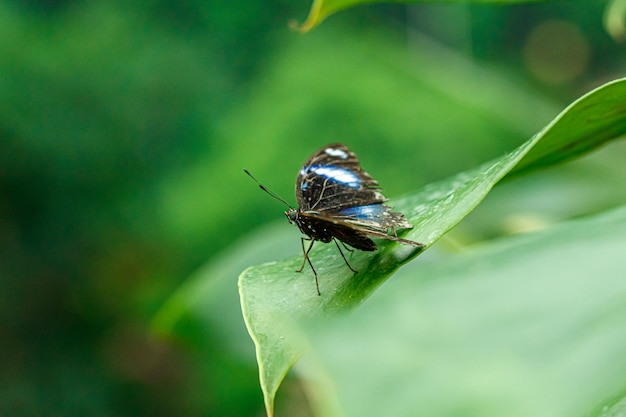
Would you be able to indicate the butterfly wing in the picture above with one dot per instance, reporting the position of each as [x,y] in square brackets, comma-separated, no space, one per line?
[376,217]
[332,179]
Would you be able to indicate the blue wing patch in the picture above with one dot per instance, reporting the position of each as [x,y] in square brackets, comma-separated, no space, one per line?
[368,212]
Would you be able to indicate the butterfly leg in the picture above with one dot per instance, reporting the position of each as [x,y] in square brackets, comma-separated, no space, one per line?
[305,252]
[348,248]
[307,259]
[344,258]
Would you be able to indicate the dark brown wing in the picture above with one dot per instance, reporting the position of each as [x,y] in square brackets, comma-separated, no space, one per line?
[332,179]
[355,224]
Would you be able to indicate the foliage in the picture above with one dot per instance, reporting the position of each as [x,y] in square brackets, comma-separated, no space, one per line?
[123,131]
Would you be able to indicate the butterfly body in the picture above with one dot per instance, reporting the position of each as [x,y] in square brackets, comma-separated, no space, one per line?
[318,227]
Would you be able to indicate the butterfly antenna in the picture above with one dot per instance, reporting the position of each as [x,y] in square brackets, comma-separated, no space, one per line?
[267,190]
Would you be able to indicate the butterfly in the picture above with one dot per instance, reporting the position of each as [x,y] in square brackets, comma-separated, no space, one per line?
[339,201]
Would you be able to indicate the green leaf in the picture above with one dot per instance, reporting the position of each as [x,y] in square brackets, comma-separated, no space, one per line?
[583,126]
[616,409]
[525,326]
[276,301]
[321,9]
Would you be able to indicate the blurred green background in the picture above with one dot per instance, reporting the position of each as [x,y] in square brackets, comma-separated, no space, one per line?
[124,128]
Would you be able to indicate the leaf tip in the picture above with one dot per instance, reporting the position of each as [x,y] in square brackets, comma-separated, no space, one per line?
[314,18]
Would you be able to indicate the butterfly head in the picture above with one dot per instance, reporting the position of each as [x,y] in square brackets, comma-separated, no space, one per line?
[292,215]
